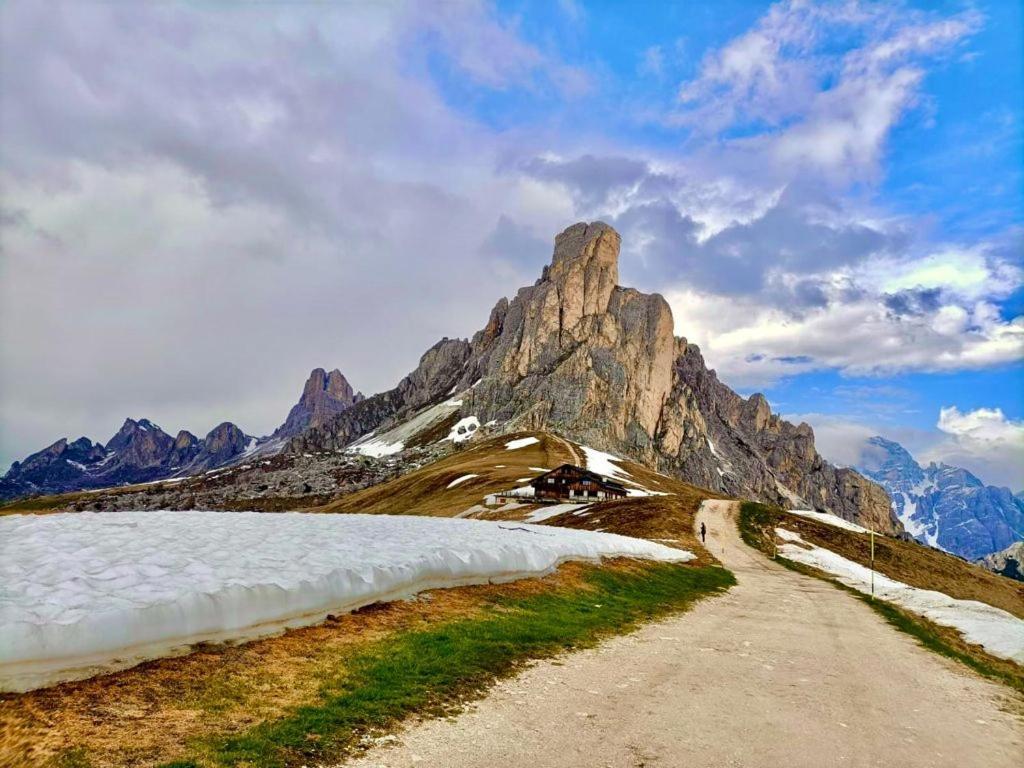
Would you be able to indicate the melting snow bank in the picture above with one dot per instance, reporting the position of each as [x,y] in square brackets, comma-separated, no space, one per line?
[997,631]
[829,519]
[522,442]
[604,464]
[90,592]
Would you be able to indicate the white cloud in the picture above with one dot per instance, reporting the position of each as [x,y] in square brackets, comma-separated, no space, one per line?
[803,105]
[186,237]
[983,441]
[754,344]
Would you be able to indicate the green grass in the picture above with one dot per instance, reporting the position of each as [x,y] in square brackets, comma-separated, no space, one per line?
[757,524]
[433,671]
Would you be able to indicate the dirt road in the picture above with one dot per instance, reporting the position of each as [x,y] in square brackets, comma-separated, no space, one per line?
[784,670]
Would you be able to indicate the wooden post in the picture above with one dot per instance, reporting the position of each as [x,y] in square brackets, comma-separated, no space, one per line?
[872,563]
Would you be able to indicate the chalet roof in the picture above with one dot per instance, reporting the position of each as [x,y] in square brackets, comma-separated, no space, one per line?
[584,473]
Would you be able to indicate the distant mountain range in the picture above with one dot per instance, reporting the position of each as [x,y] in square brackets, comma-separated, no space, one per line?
[142,452]
[575,354]
[944,506]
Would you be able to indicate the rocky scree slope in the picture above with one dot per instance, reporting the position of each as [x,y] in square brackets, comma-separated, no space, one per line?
[944,506]
[579,355]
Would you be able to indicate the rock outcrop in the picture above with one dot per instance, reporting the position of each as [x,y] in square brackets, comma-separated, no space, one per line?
[1008,562]
[436,376]
[944,506]
[577,354]
[324,397]
[224,443]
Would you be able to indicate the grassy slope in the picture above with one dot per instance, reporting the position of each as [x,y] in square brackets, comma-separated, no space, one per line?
[915,564]
[757,524]
[425,491]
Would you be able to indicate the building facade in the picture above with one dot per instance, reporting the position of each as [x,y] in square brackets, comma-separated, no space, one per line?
[572,482]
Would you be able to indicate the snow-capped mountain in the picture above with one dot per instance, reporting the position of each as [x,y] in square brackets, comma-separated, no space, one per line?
[944,506]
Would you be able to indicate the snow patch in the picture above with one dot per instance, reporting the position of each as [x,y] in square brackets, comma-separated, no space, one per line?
[829,519]
[378,448]
[999,632]
[603,464]
[464,429]
[545,513]
[461,480]
[522,442]
[88,592]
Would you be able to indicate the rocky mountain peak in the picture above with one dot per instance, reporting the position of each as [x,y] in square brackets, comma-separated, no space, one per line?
[324,396]
[891,463]
[222,444]
[579,355]
[585,269]
[140,443]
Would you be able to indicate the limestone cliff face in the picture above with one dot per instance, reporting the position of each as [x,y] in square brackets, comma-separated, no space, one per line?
[324,396]
[577,354]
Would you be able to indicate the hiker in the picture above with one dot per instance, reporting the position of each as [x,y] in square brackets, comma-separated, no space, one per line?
[703,532]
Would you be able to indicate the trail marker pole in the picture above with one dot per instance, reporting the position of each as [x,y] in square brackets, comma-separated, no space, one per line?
[872,563]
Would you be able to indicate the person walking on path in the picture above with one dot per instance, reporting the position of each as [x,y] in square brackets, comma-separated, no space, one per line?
[703,532]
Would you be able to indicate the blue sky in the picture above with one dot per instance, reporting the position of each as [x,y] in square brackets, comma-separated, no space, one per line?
[828,194]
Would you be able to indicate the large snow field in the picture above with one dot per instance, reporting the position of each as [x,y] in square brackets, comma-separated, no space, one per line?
[999,632]
[87,592]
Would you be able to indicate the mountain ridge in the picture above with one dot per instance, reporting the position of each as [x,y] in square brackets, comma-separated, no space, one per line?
[945,506]
[139,452]
[577,354]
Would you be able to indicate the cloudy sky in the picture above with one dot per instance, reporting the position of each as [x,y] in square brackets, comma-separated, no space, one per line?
[203,201]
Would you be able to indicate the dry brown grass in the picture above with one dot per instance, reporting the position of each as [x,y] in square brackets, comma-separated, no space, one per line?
[425,491]
[145,715]
[916,565]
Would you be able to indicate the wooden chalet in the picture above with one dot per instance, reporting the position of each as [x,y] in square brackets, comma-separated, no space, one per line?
[571,482]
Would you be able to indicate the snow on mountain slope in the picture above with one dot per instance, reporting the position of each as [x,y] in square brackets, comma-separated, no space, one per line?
[943,506]
[999,632]
[90,592]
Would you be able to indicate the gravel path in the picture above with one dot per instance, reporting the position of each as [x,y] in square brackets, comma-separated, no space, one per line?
[784,670]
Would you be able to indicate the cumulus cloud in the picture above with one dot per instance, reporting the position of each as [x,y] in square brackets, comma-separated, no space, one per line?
[983,441]
[803,104]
